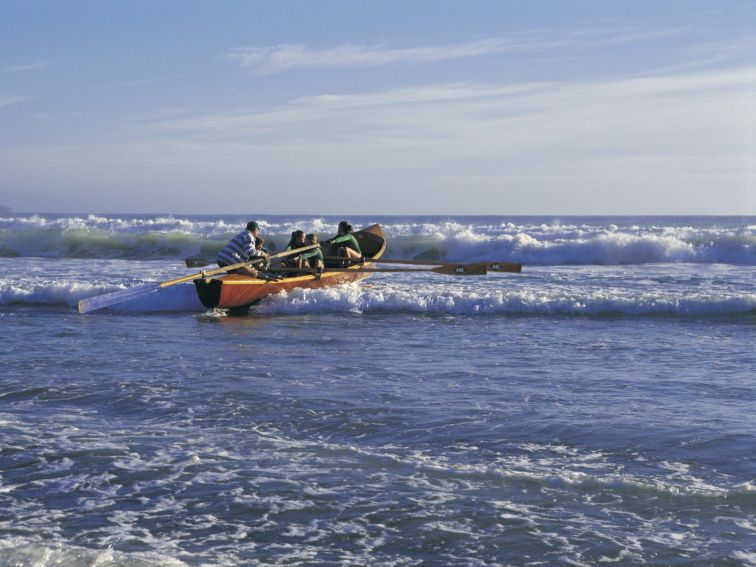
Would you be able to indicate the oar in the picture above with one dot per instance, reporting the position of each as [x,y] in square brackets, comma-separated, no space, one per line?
[196,261]
[100,301]
[494,266]
[478,269]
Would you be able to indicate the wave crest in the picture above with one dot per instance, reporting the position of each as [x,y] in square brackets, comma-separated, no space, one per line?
[554,243]
[384,299]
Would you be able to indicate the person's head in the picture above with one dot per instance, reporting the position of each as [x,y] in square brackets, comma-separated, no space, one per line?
[297,237]
[253,227]
[343,227]
[311,239]
[259,242]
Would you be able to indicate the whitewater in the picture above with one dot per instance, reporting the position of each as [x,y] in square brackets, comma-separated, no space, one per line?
[595,409]
[530,240]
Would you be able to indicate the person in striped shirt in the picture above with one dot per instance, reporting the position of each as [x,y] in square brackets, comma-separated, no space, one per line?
[242,249]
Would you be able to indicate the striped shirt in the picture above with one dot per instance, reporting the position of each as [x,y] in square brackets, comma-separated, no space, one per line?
[240,249]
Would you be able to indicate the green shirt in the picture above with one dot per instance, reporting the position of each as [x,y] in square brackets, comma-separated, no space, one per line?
[313,253]
[349,241]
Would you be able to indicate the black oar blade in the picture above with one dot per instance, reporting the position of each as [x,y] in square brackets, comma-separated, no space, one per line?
[196,262]
[106,300]
[504,267]
[462,269]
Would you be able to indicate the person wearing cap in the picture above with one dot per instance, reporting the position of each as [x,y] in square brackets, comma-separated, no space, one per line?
[242,249]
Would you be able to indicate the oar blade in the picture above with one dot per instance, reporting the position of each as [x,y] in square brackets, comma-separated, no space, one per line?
[512,267]
[491,265]
[96,302]
[196,262]
[478,269]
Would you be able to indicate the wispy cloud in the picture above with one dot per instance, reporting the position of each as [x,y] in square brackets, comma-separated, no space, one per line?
[644,145]
[455,107]
[162,114]
[28,67]
[280,58]
[290,56]
[724,52]
[145,82]
[10,100]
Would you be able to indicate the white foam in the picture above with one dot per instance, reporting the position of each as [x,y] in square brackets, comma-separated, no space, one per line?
[494,295]
[15,551]
[536,301]
[534,243]
[55,292]
[748,558]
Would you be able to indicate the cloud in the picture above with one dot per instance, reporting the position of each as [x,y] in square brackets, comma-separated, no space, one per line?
[10,100]
[26,68]
[457,108]
[145,82]
[284,57]
[280,58]
[653,145]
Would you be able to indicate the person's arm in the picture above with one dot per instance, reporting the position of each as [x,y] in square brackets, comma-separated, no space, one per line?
[350,241]
[253,254]
[354,244]
[312,254]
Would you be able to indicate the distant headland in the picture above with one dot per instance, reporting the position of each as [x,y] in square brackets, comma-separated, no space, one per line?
[4,209]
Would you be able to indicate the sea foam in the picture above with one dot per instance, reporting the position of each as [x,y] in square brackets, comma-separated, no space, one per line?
[599,242]
[492,296]
[538,301]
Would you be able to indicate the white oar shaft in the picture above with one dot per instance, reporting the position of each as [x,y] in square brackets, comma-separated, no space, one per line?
[101,301]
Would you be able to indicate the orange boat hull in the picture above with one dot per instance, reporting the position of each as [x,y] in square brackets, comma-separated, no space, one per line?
[235,290]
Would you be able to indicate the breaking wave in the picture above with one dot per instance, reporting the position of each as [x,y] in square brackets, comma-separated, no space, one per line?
[534,241]
[537,301]
[431,300]
[180,298]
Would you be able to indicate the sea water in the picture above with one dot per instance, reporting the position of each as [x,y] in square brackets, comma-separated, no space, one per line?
[597,408]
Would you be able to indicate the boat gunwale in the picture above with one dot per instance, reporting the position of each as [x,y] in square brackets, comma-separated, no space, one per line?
[238,279]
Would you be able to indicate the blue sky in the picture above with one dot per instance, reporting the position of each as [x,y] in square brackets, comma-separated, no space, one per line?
[407,107]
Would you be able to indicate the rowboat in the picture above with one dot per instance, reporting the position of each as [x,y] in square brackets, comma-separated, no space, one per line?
[236,290]
[230,291]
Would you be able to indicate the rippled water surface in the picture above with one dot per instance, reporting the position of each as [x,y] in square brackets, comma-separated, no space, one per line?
[568,415]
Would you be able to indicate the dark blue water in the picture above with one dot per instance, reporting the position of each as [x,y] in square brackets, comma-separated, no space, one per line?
[583,412]
[377,438]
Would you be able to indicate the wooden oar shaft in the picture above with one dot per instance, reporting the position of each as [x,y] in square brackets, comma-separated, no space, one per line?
[236,266]
[100,301]
[351,270]
[447,269]
[493,265]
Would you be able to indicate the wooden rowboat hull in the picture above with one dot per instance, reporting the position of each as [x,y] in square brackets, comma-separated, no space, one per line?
[235,290]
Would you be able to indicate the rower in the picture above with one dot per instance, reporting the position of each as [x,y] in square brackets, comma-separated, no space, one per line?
[312,258]
[241,248]
[345,243]
[260,247]
[297,241]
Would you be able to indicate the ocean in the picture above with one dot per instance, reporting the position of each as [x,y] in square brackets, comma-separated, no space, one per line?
[595,409]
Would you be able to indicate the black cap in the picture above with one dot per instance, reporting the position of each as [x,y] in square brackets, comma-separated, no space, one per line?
[252,225]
